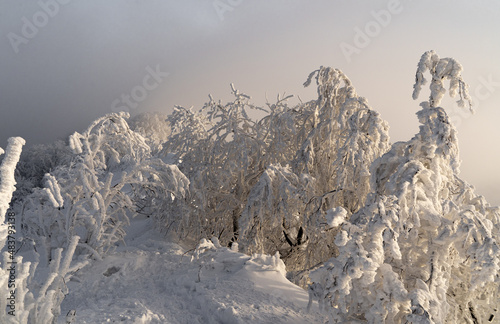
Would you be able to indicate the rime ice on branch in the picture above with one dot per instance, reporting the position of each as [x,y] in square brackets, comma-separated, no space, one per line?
[441,70]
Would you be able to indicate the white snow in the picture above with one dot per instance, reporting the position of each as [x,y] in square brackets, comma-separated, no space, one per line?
[153,280]
[335,216]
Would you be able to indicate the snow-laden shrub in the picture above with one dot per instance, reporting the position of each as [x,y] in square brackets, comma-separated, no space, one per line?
[220,151]
[37,302]
[241,187]
[343,137]
[272,219]
[24,300]
[93,197]
[93,208]
[424,248]
[335,139]
[441,69]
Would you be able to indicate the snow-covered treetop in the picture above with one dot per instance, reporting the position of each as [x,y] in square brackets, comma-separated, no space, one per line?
[7,168]
[329,81]
[440,70]
[188,130]
[108,140]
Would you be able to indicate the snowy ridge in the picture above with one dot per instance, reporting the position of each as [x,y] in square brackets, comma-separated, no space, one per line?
[152,280]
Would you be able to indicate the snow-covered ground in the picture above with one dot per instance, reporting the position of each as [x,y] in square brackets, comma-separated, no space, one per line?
[153,280]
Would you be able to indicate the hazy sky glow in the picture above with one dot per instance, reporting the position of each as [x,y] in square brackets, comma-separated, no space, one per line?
[83,57]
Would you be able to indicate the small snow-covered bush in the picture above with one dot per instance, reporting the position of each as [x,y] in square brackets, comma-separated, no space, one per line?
[37,302]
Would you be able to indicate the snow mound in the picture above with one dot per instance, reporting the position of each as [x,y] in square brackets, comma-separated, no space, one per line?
[156,281]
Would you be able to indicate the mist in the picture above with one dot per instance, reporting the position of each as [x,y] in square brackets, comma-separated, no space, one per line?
[65,63]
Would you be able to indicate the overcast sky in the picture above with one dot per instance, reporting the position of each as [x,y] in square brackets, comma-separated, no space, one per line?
[64,63]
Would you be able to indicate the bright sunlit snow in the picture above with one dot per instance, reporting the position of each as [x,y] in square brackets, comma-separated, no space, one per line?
[153,280]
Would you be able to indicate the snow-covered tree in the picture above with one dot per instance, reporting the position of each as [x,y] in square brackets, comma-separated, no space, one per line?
[111,175]
[424,248]
[271,220]
[343,137]
[332,141]
[85,198]
[219,150]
